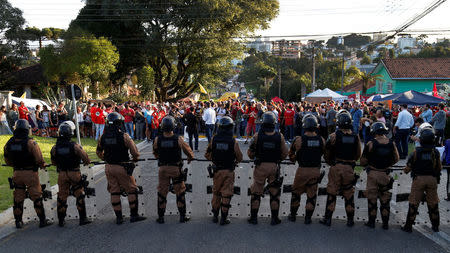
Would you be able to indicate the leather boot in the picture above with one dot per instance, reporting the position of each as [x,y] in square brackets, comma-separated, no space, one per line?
[119,218]
[44,222]
[385,222]
[223,218]
[18,217]
[215,216]
[61,217]
[350,220]
[183,217]
[371,222]
[327,218]
[412,212]
[293,215]
[82,213]
[161,212]
[253,216]
[308,215]
[134,213]
[275,219]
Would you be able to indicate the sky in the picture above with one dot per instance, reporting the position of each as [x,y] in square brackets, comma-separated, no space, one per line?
[296,17]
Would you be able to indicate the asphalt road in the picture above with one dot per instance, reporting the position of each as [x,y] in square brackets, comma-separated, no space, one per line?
[200,235]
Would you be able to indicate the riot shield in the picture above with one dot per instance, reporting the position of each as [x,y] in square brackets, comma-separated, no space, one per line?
[88,183]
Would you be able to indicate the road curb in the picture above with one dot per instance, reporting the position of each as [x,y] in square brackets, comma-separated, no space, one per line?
[7,216]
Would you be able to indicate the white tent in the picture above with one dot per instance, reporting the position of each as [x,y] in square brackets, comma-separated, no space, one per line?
[317,93]
[325,94]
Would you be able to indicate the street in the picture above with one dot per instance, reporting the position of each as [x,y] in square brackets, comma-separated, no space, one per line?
[200,235]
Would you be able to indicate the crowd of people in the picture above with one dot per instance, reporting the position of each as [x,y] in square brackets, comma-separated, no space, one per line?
[142,120]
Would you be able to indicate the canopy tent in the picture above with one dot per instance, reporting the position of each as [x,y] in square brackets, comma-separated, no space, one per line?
[325,94]
[413,98]
[277,100]
[375,98]
[361,97]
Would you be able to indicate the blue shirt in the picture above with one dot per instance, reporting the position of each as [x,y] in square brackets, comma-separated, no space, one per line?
[427,115]
[148,116]
[356,116]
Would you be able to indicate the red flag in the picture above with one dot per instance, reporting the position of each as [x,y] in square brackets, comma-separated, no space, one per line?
[435,92]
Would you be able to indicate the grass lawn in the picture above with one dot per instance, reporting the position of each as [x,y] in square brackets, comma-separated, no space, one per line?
[46,144]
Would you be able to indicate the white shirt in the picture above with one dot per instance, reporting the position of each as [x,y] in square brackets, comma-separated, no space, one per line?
[79,117]
[221,113]
[405,120]
[209,116]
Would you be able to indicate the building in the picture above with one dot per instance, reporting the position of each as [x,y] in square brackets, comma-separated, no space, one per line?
[406,41]
[261,45]
[287,48]
[404,74]
[28,79]
[379,36]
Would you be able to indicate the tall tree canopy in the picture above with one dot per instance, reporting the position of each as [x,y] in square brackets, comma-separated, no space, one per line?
[185,42]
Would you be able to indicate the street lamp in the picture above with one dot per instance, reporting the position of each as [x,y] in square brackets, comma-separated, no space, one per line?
[340,41]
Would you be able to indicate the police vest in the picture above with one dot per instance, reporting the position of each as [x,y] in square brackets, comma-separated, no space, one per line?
[65,156]
[425,162]
[115,151]
[223,155]
[346,146]
[169,151]
[19,154]
[310,154]
[268,147]
[381,156]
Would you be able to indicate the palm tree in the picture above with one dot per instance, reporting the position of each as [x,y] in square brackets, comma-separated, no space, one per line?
[367,79]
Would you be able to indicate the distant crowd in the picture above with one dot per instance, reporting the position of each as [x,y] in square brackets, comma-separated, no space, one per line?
[142,120]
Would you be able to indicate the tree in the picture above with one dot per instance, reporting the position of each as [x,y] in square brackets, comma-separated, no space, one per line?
[145,82]
[184,42]
[86,60]
[355,40]
[366,60]
[368,79]
[13,47]
[36,34]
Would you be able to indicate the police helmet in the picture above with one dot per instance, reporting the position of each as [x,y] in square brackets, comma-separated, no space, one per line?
[115,119]
[22,124]
[424,126]
[310,122]
[378,128]
[226,123]
[427,138]
[269,120]
[168,123]
[66,129]
[344,119]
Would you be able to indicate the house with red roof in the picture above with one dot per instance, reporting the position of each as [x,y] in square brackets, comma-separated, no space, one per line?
[404,74]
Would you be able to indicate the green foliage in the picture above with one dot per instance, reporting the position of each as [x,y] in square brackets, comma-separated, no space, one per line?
[36,34]
[352,40]
[145,81]
[366,60]
[82,60]
[184,42]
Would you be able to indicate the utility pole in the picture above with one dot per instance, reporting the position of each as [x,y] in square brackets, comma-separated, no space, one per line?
[279,82]
[341,42]
[313,70]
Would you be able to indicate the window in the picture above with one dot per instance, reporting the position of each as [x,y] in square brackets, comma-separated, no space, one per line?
[380,86]
[389,87]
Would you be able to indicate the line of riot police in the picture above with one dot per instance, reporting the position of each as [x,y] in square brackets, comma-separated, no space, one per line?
[341,151]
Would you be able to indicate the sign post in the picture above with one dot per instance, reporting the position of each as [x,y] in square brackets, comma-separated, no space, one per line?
[76,94]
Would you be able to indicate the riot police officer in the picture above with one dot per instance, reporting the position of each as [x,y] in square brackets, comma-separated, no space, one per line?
[24,155]
[379,155]
[342,150]
[307,150]
[66,155]
[167,149]
[269,148]
[113,147]
[425,167]
[225,153]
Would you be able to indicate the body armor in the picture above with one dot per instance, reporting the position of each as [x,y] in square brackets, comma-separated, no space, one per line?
[310,154]
[268,147]
[115,150]
[223,155]
[425,162]
[169,151]
[346,146]
[382,155]
[19,154]
[65,156]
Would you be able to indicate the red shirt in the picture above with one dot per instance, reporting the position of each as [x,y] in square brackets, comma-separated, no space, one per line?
[128,114]
[289,117]
[251,114]
[23,112]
